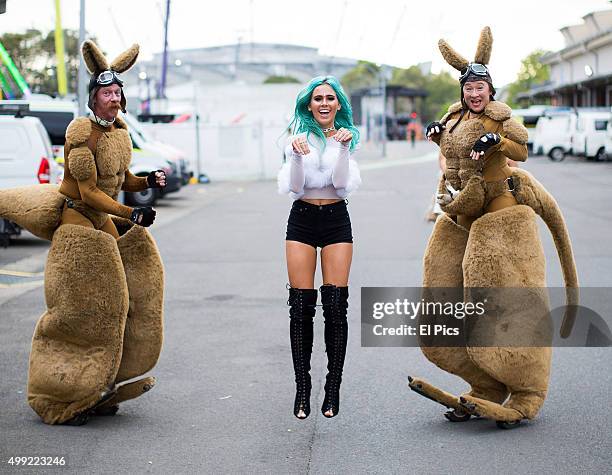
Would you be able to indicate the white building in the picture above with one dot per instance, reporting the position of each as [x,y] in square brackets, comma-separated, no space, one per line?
[251,63]
[580,73]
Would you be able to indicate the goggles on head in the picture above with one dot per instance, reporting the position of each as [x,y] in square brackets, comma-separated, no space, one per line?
[108,77]
[474,68]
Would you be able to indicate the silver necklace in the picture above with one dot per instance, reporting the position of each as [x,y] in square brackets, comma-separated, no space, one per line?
[329,129]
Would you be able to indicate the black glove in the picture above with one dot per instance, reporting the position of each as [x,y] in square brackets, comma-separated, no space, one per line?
[485,142]
[434,128]
[144,216]
[152,179]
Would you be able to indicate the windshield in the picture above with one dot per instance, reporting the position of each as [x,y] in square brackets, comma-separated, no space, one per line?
[136,129]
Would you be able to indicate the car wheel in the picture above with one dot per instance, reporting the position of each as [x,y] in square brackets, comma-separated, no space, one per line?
[557,154]
[141,198]
[601,155]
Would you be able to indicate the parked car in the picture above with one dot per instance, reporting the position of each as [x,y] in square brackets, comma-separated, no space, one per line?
[143,163]
[143,140]
[553,135]
[26,158]
[589,139]
[55,115]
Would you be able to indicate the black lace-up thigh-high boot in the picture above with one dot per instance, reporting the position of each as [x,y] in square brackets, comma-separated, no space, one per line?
[302,304]
[335,305]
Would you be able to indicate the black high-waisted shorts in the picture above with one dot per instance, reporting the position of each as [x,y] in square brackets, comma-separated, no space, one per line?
[319,226]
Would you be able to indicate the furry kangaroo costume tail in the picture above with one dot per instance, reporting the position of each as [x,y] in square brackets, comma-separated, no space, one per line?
[530,192]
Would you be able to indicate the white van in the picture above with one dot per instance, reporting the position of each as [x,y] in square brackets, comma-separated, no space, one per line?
[590,135]
[529,118]
[553,135]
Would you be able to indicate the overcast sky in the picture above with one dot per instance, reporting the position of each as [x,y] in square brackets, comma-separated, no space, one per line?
[396,32]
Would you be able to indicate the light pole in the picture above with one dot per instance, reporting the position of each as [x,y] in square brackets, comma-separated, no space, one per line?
[384,76]
[82,76]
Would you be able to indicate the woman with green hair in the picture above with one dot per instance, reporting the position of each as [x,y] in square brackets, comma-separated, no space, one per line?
[319,173]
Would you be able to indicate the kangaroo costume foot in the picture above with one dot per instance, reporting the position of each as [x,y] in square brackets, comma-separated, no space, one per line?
[425,389]
[509,417]
[123,393]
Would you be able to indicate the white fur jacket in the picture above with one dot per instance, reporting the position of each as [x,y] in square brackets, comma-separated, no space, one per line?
[330,174]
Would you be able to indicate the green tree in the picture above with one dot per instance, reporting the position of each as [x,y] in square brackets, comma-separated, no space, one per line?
[364,74]
[280,80]
[410,77]
[34,55]
[532,73]
[442,89]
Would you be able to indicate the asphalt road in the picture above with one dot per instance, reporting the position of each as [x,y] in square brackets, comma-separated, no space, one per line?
[223,403]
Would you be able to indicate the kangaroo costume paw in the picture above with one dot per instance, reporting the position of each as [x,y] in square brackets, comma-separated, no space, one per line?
[425,389]
[123,393]
[36,208]
[469,201]
[489,410]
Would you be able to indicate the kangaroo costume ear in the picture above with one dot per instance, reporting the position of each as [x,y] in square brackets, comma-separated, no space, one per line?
[452,57]
[125,60]
[94,59]
[485,45]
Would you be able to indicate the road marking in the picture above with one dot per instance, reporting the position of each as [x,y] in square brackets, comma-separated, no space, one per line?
[16,273]
[31,283]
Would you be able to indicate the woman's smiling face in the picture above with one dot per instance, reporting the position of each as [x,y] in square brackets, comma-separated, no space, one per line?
[324,105]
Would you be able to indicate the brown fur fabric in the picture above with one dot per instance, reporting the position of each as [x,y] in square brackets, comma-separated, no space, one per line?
[515,131]
[77,344]
[485,46]
[442,264]
[36,208]
[452,57]
[498,111]
[78,131]
[470,201]
[532,193]
[142,340]
[495,257]
[456,107]
[81,162]
[113,155]
[94,58]
[489,236]
[443,269]
[125,60]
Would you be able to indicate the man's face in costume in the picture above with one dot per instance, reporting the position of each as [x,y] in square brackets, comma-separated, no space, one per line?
[108,102]
[476,94]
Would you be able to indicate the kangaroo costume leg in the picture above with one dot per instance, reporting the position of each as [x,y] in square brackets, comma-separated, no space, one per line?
[443,268]
[143,336]
[76,348]
[505,251]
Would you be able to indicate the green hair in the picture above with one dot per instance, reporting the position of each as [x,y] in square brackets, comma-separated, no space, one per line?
[304,121]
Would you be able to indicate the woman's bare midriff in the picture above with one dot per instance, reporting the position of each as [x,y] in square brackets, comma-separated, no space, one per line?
[321,202]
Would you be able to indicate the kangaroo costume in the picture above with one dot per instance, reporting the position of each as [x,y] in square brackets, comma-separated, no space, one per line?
[488,238]
[104,277]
